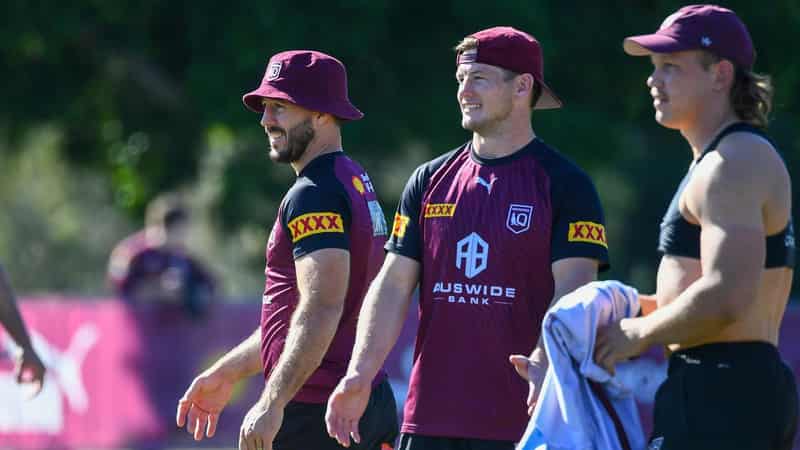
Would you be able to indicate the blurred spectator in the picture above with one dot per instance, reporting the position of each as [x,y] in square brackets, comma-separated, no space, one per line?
[154,267]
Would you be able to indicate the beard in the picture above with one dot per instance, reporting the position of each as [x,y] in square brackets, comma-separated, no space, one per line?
[297,140]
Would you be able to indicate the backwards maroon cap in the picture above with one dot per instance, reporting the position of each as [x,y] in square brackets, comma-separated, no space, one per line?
[698,27]
[513,50]
[307,78]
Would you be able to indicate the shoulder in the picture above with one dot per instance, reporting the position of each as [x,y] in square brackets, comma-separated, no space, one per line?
[743,161]
[563,171]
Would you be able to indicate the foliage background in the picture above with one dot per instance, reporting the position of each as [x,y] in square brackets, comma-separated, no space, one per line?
[107,103]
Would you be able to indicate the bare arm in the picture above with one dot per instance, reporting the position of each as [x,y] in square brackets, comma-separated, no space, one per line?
[201,405]
[9,315]
[379,325]
[322,281]
[382,315]
[29,367]
[727,200]
[242,361]
[568,275]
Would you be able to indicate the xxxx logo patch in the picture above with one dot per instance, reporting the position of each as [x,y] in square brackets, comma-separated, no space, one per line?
[440,210]
[314,223]
[589,232]
[400,225]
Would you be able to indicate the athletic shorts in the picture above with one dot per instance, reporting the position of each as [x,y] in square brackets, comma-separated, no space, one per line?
[419,442]
[304,428]
[726,396]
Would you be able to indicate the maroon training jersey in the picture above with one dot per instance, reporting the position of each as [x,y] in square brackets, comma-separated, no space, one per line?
[332,204]
[486,233]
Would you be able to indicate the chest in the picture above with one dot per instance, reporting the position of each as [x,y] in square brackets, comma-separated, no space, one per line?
[479,209]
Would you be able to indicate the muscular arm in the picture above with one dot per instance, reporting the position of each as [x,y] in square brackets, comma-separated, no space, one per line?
[322,281]
[382,315]
[727,201]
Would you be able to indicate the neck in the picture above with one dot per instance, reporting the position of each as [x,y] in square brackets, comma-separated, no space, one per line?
[702,132]
[319,146]
[507,138]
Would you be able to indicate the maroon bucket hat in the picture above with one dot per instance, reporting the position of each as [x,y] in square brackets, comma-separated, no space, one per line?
[698,27]
[307,78]
[513,50]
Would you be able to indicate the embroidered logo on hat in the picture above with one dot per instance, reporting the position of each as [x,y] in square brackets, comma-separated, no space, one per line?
[705,41]
[274,70]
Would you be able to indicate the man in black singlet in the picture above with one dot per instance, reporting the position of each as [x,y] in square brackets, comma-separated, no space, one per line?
[727,244]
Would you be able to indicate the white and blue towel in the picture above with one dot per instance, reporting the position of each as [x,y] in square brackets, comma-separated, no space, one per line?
[568,416]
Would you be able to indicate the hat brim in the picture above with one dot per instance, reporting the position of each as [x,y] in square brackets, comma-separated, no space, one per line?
[647,44]
[547,99]
[341,110]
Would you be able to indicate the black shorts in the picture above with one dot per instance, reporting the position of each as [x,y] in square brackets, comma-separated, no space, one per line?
[419,442]
[726,396]
[304,425]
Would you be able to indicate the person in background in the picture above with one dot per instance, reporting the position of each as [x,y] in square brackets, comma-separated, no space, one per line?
[154,266]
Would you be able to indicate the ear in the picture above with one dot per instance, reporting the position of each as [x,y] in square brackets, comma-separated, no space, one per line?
[321,118]
[524,85]
[724,75]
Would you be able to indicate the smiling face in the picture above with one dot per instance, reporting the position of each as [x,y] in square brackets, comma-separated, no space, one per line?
[681,87]
[485,96]
[289,129]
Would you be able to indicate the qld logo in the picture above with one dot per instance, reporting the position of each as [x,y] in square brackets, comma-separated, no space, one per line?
[274,70]
[519,218]
[472,254]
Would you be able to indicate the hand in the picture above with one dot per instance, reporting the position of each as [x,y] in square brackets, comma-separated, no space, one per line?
[616,342]
[533,370]
[30,370]
[260,426]
[203,402]
[346,405]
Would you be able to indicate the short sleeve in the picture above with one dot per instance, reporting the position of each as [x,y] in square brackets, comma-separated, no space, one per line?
[406,237]
[316,217]
[578,220]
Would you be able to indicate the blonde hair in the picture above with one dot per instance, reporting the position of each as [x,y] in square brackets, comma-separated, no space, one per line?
[750,95]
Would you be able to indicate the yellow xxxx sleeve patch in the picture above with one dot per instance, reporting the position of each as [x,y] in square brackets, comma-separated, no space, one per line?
[314,223]
[589,232]
[400,225]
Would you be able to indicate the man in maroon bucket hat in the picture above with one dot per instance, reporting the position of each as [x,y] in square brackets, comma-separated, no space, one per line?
[492,232]
[324,249]
[727,244]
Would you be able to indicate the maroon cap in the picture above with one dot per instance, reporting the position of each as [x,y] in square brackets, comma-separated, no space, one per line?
[698,27]
[513,50]
[307,78]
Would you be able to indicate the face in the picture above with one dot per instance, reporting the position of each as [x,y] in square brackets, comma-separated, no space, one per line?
[681,88]
[484,96]
[289,129]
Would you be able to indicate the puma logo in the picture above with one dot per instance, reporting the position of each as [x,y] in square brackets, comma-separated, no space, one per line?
[484,183]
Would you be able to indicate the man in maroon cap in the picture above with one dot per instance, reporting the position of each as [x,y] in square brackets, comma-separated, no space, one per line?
[727,244]
[493,232]
[324,249]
